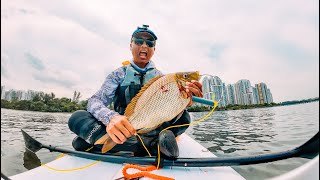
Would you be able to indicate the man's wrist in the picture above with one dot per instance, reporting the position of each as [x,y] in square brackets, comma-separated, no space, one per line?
[109,117]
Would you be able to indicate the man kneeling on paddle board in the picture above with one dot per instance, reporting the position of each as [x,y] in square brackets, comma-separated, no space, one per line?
[119,87]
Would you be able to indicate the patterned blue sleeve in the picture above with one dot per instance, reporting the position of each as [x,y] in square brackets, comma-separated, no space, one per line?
[159,73]
[97,104]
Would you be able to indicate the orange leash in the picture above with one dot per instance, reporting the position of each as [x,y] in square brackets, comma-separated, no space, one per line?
[145,172]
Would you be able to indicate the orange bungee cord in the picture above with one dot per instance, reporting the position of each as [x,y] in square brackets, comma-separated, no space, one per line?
[144,172]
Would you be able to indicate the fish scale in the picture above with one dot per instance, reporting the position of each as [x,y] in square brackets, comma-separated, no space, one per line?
[159,106]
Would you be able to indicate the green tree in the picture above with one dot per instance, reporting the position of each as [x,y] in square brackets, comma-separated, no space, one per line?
[38,106]
[83,104]
[23,105]
[46,98]
[5,104]
[52,95]
[76,96]
[36,97]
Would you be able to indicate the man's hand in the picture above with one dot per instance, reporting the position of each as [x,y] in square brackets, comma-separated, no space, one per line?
[194,88]
[119,129]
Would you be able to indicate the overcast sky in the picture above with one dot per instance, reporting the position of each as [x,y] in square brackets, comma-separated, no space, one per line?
[61,46]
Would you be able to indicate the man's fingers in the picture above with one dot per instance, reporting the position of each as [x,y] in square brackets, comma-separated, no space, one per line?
[129,127]
[119,129]
[195,91]
[121,137]
[114,137]
[123,130]
[190,103]
[115,134]
[194,84]
[197,83]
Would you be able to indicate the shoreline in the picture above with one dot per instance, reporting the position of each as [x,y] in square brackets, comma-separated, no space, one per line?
[240,107]
[243,107]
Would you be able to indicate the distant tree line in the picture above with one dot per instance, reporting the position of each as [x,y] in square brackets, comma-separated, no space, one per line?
[237,107]
[230,107]
[299,101]
[47,103]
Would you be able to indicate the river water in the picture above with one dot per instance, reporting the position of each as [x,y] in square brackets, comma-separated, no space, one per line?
[225,133]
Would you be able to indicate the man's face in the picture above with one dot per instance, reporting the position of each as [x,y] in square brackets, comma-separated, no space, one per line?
[141,50]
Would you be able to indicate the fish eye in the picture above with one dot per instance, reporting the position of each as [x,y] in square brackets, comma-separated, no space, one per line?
[185,75]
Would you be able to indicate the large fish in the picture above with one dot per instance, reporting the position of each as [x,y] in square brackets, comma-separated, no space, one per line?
[162,99]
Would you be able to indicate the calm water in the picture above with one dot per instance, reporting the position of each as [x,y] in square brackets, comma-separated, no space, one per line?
[227,133]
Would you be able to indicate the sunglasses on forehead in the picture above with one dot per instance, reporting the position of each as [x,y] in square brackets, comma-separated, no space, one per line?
[139,42]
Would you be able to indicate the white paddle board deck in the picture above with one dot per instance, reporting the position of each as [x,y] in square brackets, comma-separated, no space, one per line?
[309,170]
[103,170]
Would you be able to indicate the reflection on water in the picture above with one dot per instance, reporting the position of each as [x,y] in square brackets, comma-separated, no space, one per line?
[30,159]
[231,131]
[258,131]
[225,133]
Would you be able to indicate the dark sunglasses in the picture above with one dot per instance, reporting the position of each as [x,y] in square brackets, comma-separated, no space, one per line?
[139,42]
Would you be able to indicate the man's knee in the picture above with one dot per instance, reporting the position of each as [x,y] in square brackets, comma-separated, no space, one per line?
[77,118]
[184,119]
[86,126]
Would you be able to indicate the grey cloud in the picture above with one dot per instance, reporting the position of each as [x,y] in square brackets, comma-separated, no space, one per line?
[216,50]
[14,11]
[4,58]
[3,72]
[42,77]
[34,62]
[96,25]
[290,52]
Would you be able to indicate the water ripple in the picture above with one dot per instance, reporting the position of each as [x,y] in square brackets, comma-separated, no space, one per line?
[225,133]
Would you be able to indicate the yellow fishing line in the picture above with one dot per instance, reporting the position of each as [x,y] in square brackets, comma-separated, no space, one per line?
[144,145]
[72,169]
[215,104]
[61,155]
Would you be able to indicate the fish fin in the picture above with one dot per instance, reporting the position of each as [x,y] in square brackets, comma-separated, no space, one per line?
[102,140]
[108,144]
[130,108]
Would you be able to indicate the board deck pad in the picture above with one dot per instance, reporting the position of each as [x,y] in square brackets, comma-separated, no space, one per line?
[104,170]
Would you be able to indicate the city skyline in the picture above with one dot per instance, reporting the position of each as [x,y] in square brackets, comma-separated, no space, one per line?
[218,82]
[240,93]
[62,47]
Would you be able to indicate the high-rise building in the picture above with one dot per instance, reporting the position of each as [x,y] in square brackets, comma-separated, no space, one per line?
[213,86]
[262,93]
[255,95]
[2,92]
[230,94]
[243,92]
[224,95]
[10,95]
[269,97]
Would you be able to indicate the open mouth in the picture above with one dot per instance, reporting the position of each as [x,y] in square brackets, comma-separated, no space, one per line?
[143,54]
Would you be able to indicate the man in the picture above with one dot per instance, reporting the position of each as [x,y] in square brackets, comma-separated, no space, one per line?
[119,87]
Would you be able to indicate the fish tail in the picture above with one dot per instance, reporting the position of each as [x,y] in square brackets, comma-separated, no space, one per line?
[107,143]
[103,139]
